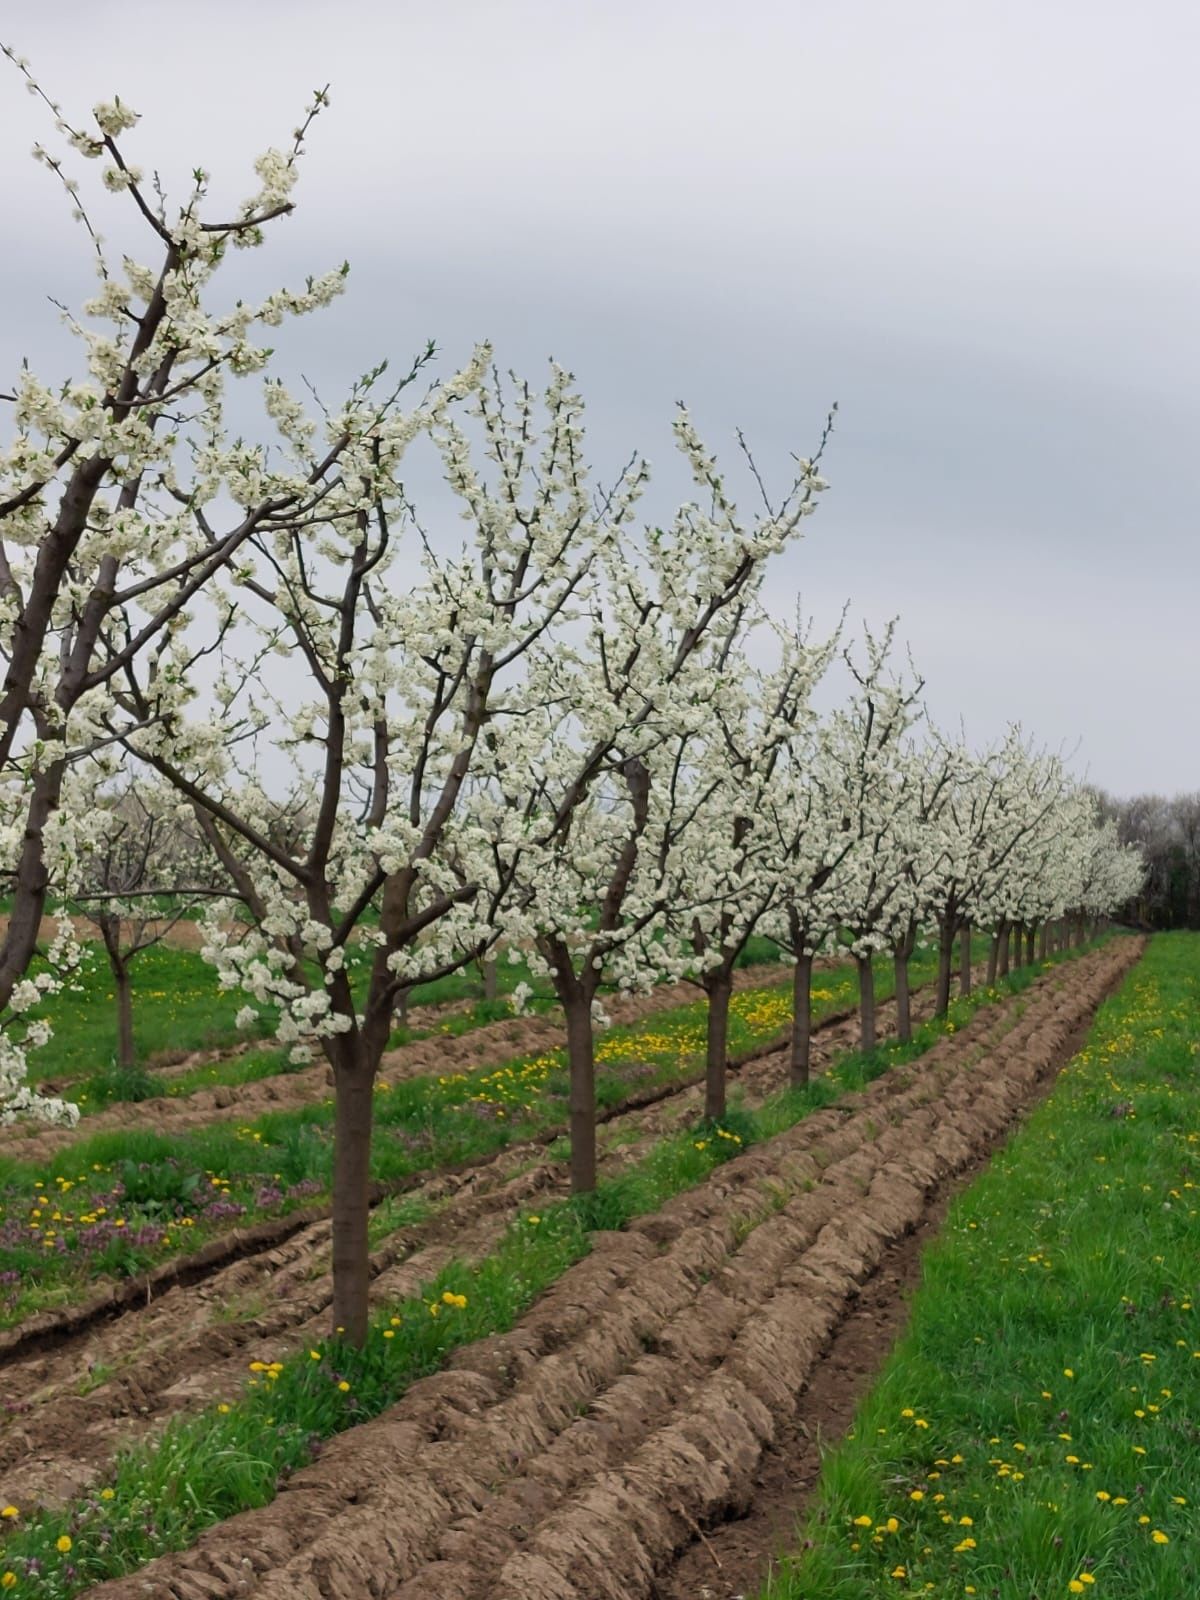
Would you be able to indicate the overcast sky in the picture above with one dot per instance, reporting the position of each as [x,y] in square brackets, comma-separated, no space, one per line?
[972,225]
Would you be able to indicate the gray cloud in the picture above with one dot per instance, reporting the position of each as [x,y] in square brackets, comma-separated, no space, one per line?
[971,225]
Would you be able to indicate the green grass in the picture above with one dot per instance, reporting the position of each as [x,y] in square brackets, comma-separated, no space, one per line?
[236,1454]
[179,1009]
[1037,1430]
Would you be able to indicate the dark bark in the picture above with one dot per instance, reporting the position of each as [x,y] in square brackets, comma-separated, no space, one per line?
[903,1000]
[354,1096]
[801,1019]
[902,952]
[1002,965]
[964,959]
[993,965]
[946,935]
[109,928]
[1030,944]
[31,882]
[581,1066]
[1015,947]
[123,990]
[866,1002]
[491,978]
[718,986]
[1043,941]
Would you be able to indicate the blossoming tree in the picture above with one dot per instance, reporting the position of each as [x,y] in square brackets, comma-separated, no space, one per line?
[612,785]
[112,486]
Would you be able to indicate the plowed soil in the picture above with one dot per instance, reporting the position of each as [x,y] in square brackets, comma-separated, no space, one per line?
[577,1456]
[488,1045]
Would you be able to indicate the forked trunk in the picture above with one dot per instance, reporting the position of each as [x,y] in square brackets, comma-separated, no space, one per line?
[903,1001]
[866,1002]
[581,1066]
[801,1018]
[123,989]
[964,959]
[719,987]
[354,1095]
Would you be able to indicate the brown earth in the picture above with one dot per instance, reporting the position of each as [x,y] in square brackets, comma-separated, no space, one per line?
[574,1457]
[185,935]
[489,1044]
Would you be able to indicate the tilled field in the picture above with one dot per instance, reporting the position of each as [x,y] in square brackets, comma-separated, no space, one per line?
[76,1385]
[575,1457]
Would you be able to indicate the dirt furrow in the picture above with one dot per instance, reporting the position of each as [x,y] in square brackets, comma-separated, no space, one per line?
[73,1405]
[569,1459]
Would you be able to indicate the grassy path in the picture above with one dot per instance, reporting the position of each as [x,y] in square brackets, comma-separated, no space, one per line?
[1037,1430]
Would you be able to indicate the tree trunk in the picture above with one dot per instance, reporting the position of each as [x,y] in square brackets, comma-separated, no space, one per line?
[866,1002]
[581,1064]
[491,978]
[801,1018]
[354,1096]
[903,1004]
[993,966]
[1043,941]
[1002,965]
[964,959]
[1016,947]
[945,967]
[400,1011]
[123,989]
[1030,944]
[719,987]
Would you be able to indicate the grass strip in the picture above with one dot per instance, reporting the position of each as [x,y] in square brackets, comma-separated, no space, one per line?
[1037,1429]
[237,1454]
[178,1008]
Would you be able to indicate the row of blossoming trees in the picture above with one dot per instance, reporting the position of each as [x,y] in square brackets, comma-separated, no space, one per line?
[571,734]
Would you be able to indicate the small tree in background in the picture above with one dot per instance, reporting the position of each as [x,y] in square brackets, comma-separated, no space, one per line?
[146,870]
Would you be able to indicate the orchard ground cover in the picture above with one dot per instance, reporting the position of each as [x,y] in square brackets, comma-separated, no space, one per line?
[236,1452]
[180,1010]
[1037,1428]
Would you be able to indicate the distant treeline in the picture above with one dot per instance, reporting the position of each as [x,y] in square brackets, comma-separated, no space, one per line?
[1168,832]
